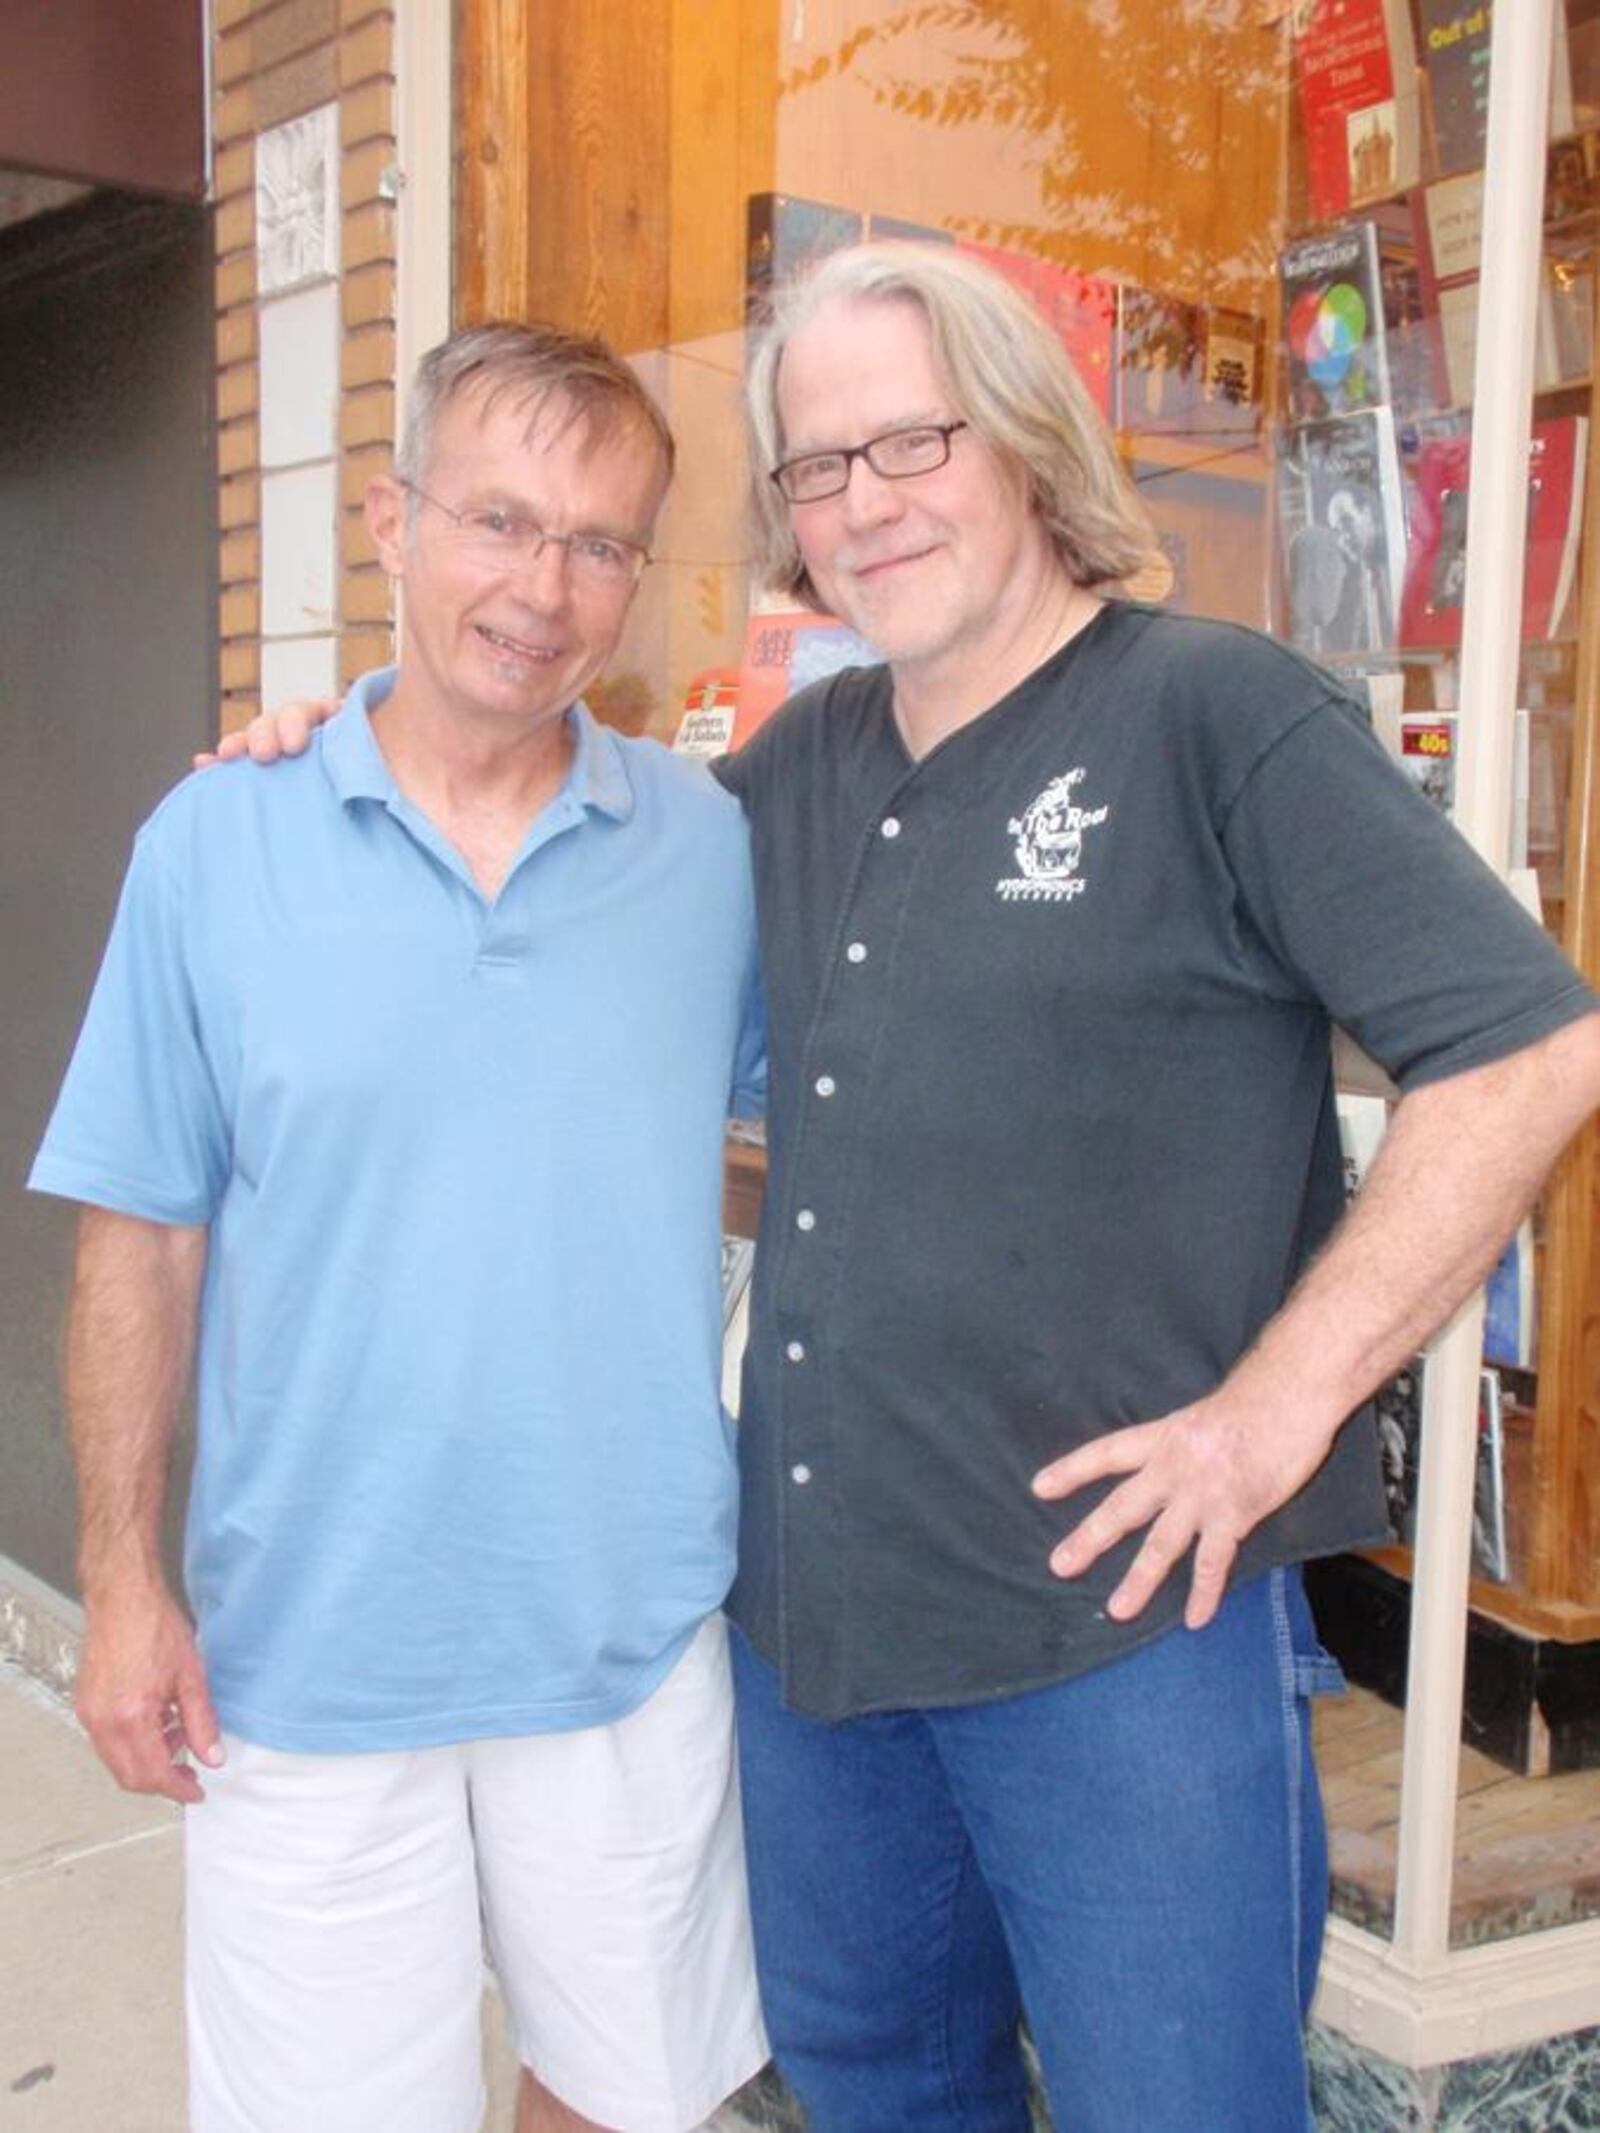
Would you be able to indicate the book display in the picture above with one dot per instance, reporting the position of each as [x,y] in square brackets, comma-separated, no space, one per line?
[1381,300]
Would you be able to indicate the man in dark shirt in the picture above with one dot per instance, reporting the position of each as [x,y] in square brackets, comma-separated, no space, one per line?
[1055,909]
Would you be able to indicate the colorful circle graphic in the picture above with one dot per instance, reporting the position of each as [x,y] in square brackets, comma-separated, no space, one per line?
[1326,329]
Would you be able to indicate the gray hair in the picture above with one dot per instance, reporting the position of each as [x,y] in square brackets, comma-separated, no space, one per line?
[535,365]
[1007,375]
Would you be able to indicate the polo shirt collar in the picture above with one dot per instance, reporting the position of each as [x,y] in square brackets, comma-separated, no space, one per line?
[597,778]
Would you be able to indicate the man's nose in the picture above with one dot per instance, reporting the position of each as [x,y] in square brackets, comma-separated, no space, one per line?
[541,574]
[868,498]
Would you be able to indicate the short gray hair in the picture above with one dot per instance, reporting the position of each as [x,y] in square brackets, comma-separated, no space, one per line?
[1008,376]
[534,365]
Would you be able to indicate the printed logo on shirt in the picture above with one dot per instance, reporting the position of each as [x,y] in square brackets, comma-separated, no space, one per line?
[1049,844]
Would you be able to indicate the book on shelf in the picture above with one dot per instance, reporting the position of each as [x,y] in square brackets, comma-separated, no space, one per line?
[1449,241]
[1355,68]
[1081,308]
[1455,52]
[1435,581]
[896,230]
[1491,1556]
[785,650]
[1398,1404]
[1341,519]
[1510,1330]
[783,235]
[1363,1121]
[1184,369]
[710,714]
[738,1263]
[1333,323]
[1428,755]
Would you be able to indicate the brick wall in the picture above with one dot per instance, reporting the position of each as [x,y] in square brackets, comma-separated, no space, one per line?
[288,74]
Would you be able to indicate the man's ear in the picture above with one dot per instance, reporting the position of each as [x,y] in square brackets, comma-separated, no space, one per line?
[386,510]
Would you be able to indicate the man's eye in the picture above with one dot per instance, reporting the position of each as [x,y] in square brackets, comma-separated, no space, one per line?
[604,554]
[909,444]
[822,466]
[498,525]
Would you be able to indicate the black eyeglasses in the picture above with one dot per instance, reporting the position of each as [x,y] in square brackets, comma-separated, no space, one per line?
[499,539]
[896,455]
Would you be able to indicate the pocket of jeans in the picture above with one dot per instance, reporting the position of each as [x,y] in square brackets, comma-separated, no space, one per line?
[1316,1671]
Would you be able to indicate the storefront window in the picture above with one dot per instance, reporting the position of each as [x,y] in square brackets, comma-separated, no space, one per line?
[1258,228]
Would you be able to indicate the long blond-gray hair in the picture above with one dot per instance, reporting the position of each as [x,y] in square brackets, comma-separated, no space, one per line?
[1007,375]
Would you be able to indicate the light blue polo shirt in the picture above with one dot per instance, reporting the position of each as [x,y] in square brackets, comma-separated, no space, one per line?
[462,1467]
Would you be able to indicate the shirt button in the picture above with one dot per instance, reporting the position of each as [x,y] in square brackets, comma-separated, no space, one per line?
[796,1351]
[825,1084]
[890,826]
[799,1475]
[805,1219]
[856,952]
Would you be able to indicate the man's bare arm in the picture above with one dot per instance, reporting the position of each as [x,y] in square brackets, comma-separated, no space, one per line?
[141,1690]
[1456,1171]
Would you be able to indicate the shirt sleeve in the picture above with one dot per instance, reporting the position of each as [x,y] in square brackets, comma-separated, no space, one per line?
[138,1126]
[1360,887]
[748,1098]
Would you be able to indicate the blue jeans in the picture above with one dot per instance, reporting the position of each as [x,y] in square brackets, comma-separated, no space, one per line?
[1135,1858]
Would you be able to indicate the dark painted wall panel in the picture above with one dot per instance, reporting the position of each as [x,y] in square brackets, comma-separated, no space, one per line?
[107,565]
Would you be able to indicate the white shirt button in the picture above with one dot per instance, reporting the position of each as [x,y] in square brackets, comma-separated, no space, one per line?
[890,826]
[856,952]
[800,1475]
[805,1219]
[796,1351]
[825,1084]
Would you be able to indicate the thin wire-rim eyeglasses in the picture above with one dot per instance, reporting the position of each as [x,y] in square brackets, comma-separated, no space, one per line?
[523,536]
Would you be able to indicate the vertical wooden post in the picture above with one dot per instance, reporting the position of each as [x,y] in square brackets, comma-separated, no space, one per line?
[1564,1529]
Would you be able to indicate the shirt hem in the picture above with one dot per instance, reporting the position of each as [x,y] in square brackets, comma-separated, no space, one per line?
[266,1729]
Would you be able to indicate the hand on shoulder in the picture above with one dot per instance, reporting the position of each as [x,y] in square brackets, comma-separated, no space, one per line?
[271,734]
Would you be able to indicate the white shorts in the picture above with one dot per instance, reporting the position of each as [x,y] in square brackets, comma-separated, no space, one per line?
[337,1907]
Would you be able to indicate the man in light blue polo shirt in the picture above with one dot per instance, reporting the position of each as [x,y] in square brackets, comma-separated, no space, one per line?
[452,1010]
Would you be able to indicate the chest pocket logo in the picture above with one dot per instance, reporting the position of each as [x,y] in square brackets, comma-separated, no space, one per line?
[1048,844]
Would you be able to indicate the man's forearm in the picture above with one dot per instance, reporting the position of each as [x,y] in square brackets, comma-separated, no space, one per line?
[1458,1168]
[130,1345]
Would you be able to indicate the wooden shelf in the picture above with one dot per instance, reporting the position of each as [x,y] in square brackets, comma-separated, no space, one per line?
[1218,456]
[1564,1621]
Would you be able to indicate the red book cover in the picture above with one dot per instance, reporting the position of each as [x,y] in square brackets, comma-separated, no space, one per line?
[1436,570]
[784,653]
[1081,308]
[1355,63]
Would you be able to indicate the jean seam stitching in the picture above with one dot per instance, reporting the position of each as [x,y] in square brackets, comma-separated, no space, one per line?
[1289,1703]
[967,1863]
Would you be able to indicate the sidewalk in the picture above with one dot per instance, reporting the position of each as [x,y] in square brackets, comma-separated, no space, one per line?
[91,1907]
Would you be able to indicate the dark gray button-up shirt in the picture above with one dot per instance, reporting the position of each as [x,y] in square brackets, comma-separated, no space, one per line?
[1051,1127]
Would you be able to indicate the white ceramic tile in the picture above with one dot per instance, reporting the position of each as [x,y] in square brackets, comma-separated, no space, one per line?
[298,666]
[297,551]
[300,375]
[297,201]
